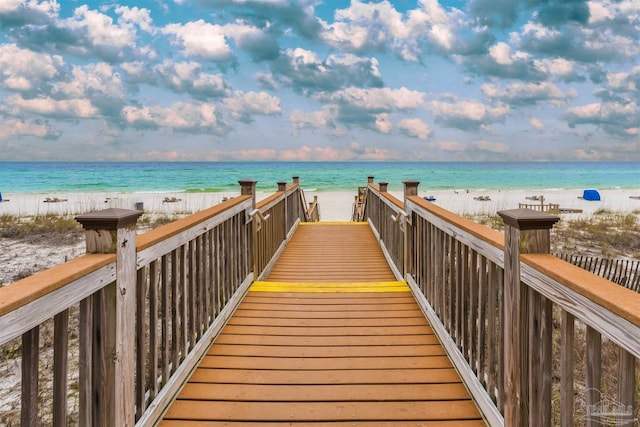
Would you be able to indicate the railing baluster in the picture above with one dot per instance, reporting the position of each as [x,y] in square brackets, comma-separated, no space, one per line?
[566,369]
[141,353]
[593,372]
[164,314]
[481,328]
[60,373]
[152,372]
[175,310]
[85,362]
[30,357]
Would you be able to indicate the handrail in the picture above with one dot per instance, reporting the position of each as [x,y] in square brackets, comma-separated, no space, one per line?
[489,299]
[145,314]
[313,212]
[29,289]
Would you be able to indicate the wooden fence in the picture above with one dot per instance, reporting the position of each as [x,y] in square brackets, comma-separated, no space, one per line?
[526,330]
[108,338]
[624,272]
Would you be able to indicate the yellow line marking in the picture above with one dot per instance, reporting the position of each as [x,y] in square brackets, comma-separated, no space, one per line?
[334,223]
[330,287]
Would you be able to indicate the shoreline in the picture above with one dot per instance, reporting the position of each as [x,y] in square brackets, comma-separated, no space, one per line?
[334,205]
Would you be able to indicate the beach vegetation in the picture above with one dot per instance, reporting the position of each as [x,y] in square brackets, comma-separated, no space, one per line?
[15,227]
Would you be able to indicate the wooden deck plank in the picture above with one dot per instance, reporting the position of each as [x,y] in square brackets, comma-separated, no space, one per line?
[323,411]
[329,376]
[322,363]
[329,341]
[313,331]
[371,314]
[323,392]
[328,307]
[266,321]
[346,351]
[440,423]
[319,350]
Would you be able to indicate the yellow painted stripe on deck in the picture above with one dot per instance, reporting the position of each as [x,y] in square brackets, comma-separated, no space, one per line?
[334,223]
[261,286]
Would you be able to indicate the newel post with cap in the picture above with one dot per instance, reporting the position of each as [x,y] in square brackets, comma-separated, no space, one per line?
[113,313]
[248,188]
[527,323]
[410,189]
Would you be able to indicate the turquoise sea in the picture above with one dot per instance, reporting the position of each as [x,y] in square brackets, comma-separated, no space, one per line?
[142,177]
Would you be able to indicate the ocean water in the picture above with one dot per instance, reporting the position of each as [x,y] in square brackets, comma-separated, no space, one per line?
[143,177]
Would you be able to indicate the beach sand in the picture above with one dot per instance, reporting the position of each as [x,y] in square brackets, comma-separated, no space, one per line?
[334,206]
[25,256]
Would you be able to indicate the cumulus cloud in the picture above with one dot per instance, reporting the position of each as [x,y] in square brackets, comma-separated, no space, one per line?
[502,61]
[211,42]
[415,127]
[305,71]
[15,13]
[315,119]
[200,39]
[467,114]
[25,71]
[189,77]
[577,43]
[266,80]
[287,14]
[381,100]
[379,27]
[47,106]
[528,94]
[620,119]
[41,129]
[243,106]
[137,16]
[536,124]
[85,34]
[190,117]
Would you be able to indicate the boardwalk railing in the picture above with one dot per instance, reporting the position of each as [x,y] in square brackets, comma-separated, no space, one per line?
[537,340]
[122,326]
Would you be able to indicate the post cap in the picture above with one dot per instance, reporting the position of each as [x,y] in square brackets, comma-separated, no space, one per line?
[109,219]
[528,219]
[383,186]
[282,185]
[370,179]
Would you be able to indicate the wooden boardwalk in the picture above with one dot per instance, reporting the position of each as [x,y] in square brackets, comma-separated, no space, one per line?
[329,339]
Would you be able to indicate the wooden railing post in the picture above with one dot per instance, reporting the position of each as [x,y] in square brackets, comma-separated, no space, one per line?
[114,313]
[527,323]
[282,187]
[370,179]
[410,189]
[248,188]
[383,186]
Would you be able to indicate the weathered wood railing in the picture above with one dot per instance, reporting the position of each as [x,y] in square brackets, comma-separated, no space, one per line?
[133,316]
[387,220]
[526,330]
[313,211]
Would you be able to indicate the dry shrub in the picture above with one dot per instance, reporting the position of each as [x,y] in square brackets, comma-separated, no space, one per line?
[50,225]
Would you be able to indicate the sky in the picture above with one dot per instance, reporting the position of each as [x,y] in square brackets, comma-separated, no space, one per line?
[309,80]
